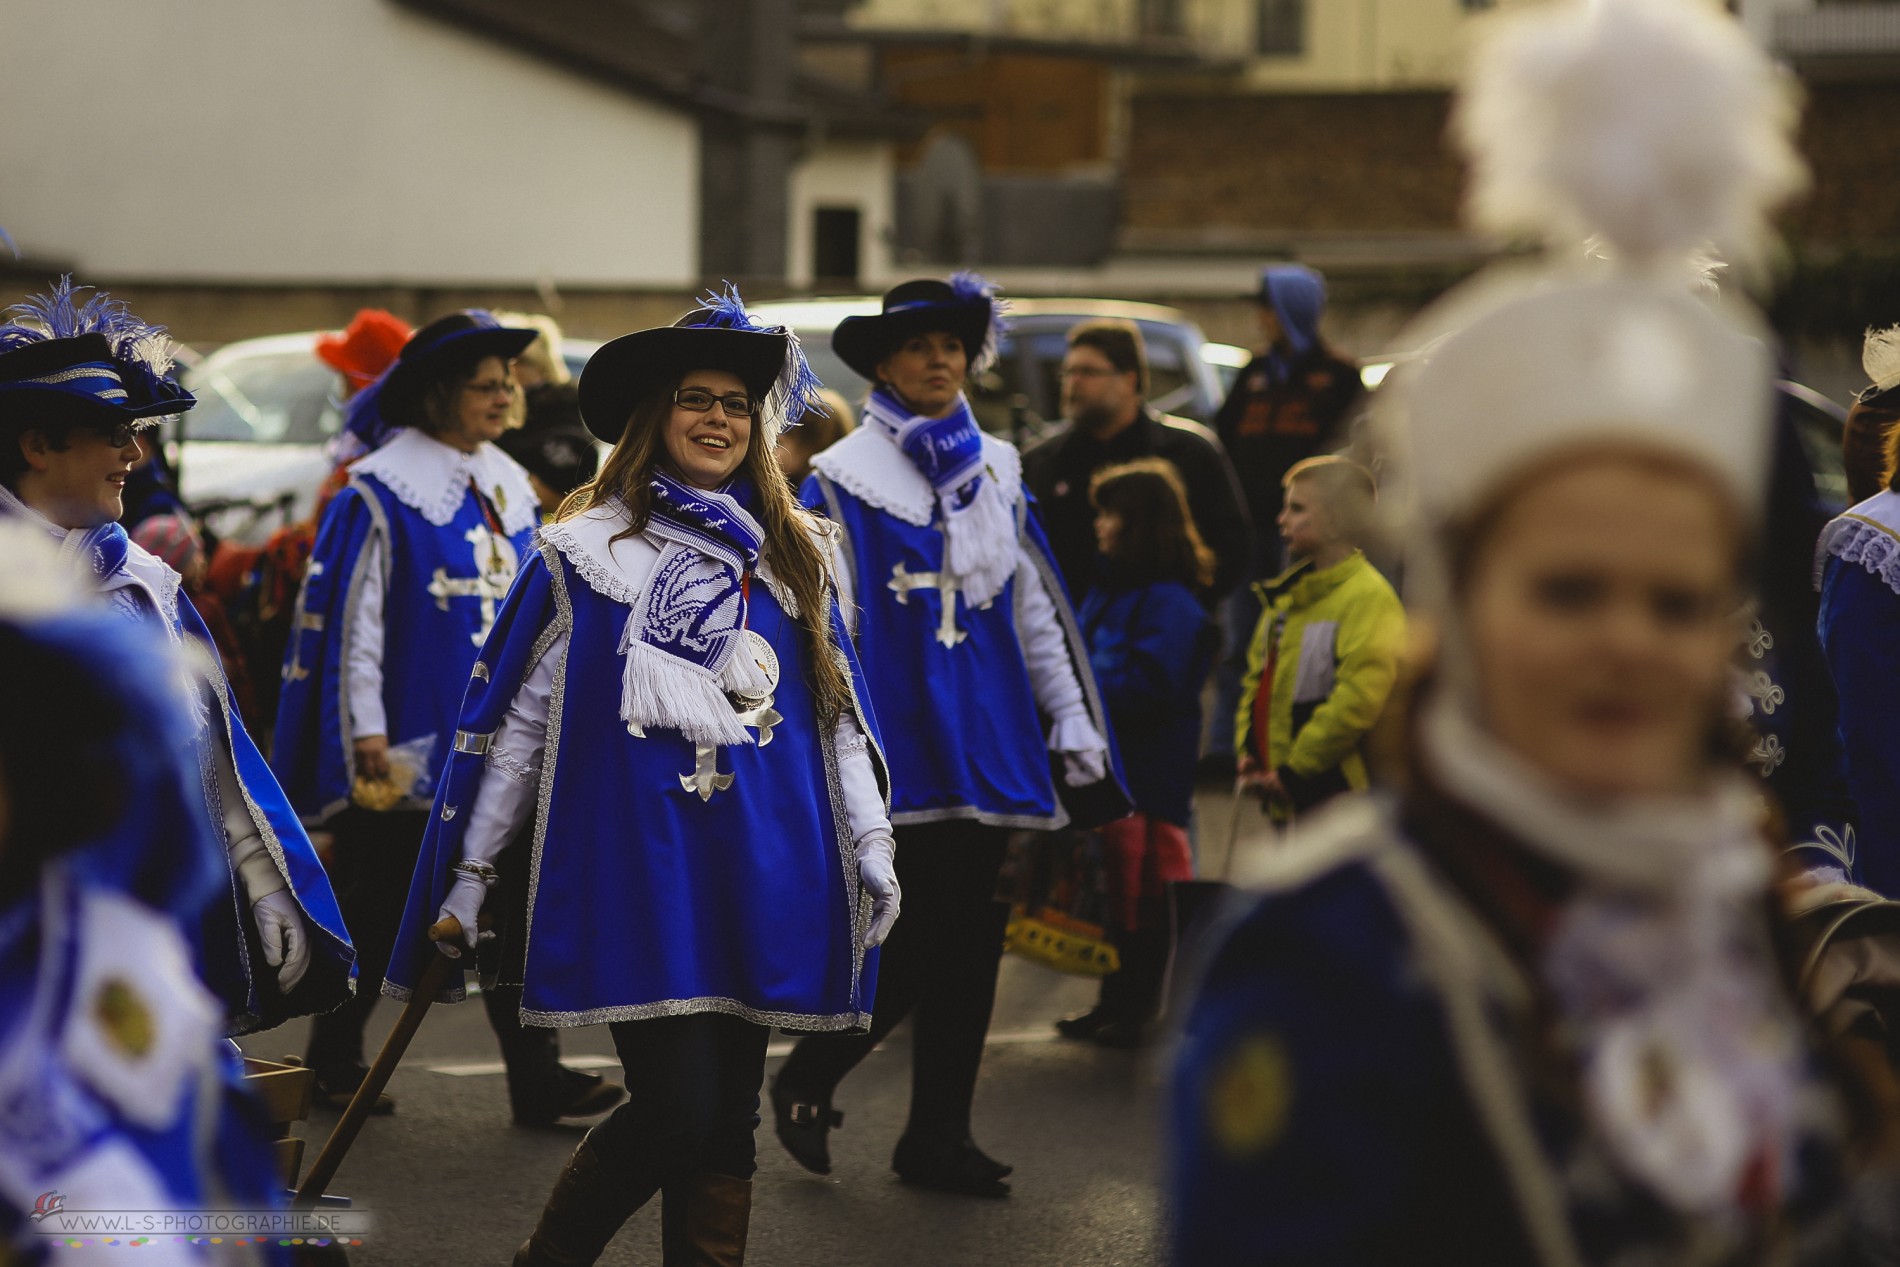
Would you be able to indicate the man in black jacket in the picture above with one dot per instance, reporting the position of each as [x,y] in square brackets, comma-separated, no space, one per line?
[1104,391]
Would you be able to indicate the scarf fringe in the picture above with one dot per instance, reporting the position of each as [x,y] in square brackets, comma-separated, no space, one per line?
[659,691]
[980,542]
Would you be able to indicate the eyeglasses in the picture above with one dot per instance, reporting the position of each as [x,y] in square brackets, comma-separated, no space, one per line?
[119,434]
[697,400]
[1089,371]
[493,387]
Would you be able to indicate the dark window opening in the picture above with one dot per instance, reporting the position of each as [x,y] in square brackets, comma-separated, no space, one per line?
[1282,29]
[835,245]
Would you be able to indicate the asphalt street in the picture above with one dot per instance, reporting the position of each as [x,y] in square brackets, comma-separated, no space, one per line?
[450,1179]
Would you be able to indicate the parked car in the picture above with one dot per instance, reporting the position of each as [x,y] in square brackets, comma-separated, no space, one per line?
[1021,397]
[251,455]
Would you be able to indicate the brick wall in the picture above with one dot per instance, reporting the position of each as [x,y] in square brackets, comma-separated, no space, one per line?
[1851,136]
[1305,163]
[1227,168]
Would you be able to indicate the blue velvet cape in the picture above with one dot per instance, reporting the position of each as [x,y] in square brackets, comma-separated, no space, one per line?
[1860,631]
[229,949]
[646,900]
[974,745]
[429,639]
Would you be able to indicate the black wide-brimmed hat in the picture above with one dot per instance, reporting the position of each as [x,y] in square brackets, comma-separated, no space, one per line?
[965,305]
[717,335]
[446,344]
[63,361]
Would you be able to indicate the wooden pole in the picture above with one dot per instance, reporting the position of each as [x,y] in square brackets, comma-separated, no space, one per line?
[434,977]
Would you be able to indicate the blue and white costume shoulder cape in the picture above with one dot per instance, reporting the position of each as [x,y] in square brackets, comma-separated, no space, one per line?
[665,877]
[117,1092]
[447,573]
[138,584]
[953,680]
[1858,562]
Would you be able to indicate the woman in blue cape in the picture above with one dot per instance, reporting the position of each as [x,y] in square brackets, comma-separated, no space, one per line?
[78,382]
[410,565]
[669,703]
[117,1090]
[975,660]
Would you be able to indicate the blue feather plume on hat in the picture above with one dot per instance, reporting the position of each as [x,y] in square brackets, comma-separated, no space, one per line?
[972,286]
[143,352]
[795,392]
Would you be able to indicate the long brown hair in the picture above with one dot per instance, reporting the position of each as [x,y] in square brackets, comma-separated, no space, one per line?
[1158,541]
[791,532]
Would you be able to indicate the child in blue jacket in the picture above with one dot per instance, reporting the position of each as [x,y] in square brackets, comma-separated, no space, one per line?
[1151,645]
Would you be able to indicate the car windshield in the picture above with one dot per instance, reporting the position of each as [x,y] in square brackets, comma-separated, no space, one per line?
[284,397]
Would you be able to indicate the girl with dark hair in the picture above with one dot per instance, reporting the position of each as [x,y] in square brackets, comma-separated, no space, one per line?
[670,706]
[1151,644]
[411,561]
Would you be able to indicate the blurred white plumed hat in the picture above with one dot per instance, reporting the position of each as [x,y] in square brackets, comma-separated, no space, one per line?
[1657,128]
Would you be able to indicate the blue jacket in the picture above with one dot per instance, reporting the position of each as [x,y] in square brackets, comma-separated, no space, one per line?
[1860,632]
[1151,647]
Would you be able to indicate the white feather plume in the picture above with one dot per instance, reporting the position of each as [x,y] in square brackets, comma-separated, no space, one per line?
[1657,125]
[1880,357]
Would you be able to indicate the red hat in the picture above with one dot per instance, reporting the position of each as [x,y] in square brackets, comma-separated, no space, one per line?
[362,352]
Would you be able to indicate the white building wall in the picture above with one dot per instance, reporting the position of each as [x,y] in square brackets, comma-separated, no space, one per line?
[844,174]
[328,141]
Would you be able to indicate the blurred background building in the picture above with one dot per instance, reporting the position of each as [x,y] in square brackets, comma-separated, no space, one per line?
[240,168]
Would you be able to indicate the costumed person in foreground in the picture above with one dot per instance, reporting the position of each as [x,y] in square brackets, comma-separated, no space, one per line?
[974,658]
[1859,570]
[412,560]
[117,1090]
[78,382]
[669,704]
[1531,1008]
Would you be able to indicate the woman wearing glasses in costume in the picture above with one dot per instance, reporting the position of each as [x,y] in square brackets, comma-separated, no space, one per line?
[669,703]
[411,563]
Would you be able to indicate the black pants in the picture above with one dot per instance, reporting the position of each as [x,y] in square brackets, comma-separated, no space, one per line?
[692,1099]
[374,861]
[940,966]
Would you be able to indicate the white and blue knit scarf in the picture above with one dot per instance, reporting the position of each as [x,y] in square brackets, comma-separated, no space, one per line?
[683,641]
[979,528]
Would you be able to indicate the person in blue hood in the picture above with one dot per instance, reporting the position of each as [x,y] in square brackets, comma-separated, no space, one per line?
[1289,404]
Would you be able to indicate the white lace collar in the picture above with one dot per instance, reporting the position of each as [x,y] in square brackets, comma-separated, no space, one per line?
[620,569]
[869,465]
[1649,845]
[613,569]
[1867,534]
[432,478]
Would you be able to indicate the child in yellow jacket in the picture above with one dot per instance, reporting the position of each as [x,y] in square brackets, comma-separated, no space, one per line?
[1326,651]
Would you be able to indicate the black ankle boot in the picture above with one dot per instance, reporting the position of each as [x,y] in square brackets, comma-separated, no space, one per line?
[588,1205]
[801,1122]
[947,1164]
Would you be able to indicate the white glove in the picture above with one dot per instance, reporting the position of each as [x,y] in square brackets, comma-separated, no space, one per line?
[280,927]
[465,903]
[877,871]
[1079,769]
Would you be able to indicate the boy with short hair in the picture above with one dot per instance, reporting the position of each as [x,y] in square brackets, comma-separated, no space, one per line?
[1326,651]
